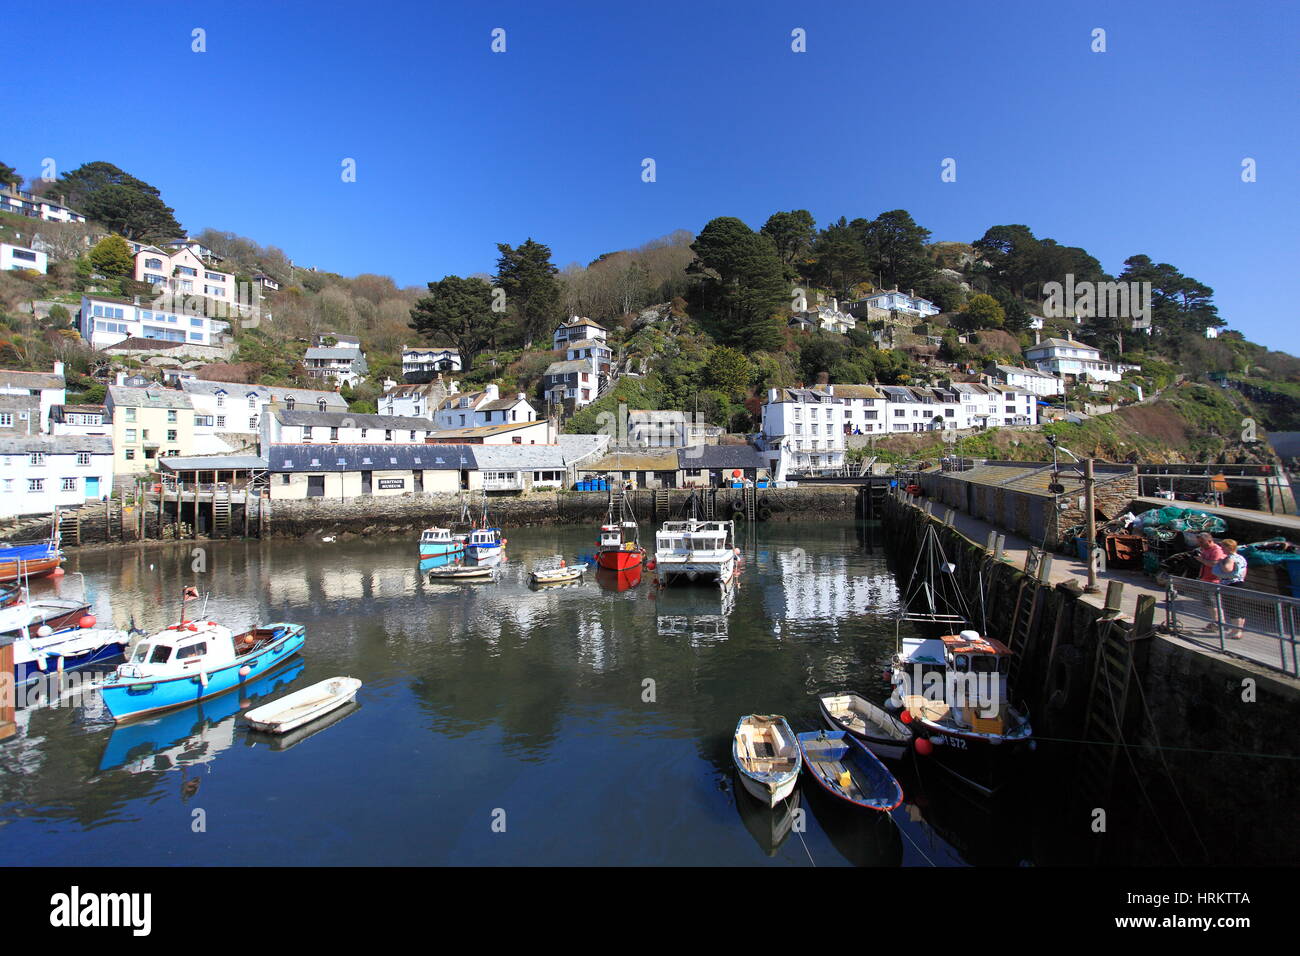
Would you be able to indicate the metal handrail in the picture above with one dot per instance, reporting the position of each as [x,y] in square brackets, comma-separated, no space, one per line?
[1261,615]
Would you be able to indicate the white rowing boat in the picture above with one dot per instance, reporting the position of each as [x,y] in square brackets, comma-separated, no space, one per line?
[303,706]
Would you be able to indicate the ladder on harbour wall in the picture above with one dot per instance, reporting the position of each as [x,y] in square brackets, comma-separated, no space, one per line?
[709,503]
[751,503]
[1023,620]
[220,515]
[70,528]
[1103,726]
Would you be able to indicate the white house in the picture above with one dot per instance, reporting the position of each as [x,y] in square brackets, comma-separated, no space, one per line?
[343,364]
[421,360]
[42,473]
[864,408]
[666,428]
[828,318]
[80,420]
[36,207]
[486,407]
[232,411]
[805,426]
[20,257]
[572,381]
[1025,379]
[895,301]
[106,322]
[1061,357]
[297,426]
[578,330]
[415,401]
[49,387]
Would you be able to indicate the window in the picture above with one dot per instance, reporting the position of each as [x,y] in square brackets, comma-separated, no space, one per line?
[83,458]
[130,414]
[36,459]
[129,454]
[388,434]
[171,414]
[221,401]
[252,401]
[192,650]
[160,654]
[221,421]
[203,421]
[69,484]
[334,434]
[6,420]
[412,434]
[35,484]
[171,434]
[252,422]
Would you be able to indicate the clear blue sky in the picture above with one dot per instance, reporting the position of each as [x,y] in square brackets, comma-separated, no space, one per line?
[1135,150]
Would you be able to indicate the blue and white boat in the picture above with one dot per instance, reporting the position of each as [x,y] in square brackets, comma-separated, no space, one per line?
[39,652]
[767,757]
[437,542]
[194,660]
[484,543]
[844,768]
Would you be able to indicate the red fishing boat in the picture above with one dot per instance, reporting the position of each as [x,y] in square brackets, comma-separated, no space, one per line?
[619,547]
[24,561]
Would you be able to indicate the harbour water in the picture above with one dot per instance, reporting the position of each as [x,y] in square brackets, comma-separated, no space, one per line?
[586,724]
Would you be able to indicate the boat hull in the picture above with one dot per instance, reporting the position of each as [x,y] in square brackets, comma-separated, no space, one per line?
[27,671]
[770,793]
[880,791]
[12,570]
[134,698]
[981,763]
[441,549]
[303,707]
[618,559]
[887,748]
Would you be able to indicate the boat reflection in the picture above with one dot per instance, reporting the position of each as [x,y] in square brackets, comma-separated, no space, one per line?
[864,839]
[618,580]
[699,614]
[193,735]
[770,827]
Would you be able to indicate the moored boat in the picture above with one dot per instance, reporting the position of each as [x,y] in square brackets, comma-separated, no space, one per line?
[40,652]
[619,546]
[884,734]
[437,542]
[844,768]
[194,660]
[55,613]
[696,550]
[22,561]
[767,757]
[558,572]
[463,572]
[303,706]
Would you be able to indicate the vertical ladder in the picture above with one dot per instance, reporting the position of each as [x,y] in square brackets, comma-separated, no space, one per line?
[220,515]
[661,502]
[1022,624]
[1107,700]
[710,500]
[751,503]
[70,528]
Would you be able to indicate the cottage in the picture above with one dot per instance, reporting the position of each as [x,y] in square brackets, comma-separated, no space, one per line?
[44,472]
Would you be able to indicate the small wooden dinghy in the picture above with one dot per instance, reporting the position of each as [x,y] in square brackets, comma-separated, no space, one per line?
[463,572]
[557,573]
[767,757]
[303,706]
[884,734]
[848,771]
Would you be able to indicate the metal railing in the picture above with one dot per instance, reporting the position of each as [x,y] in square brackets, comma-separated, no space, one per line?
[1252,624]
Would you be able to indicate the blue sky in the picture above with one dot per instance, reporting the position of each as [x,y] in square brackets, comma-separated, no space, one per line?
[1135,150]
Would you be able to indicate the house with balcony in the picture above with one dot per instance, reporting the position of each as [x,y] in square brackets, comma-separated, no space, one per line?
[578,330]
[827,318]
[20,257]
[106,322]
[415,401]
[43,472]
[1024,378]
[571,384]
[883,304]
[803,430]
[864,408]
[343,364]
[1071,360]
[181,271]
[485,407]
[232,412]
[535,467]
[667,428]
[21,203]
[421,363]
[283,426]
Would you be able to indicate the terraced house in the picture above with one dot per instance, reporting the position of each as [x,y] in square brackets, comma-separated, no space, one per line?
[44,472]
[148,423]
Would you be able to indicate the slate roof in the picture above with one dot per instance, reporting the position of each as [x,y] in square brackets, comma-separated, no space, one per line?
[212,463]
[857,391]
[272,392]
[299,416]
[811,395]
[129,397]
[520,457]
[320,458]
[136,344]
[569,367]
[477,431]
[353,353]
[637,461]
[720,456]
[57,444]
[14,379]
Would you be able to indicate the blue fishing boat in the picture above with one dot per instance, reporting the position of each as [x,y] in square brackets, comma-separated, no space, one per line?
[439,542]
[192,661]
[848,771]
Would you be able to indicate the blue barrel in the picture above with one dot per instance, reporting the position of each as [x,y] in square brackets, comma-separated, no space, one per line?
[584,486]
[1292,566]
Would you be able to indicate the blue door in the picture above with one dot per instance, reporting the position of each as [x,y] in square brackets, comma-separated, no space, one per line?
[92,487]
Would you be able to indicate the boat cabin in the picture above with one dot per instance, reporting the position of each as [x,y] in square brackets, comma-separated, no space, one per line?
[694,538]
[966,662]
[190,646]
[437,536]
[484,537]
[610,536]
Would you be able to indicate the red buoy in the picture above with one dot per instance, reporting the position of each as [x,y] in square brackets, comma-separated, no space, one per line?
[87,622]
[924,747]
[905,716]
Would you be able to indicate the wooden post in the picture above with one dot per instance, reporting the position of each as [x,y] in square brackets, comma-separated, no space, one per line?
[7,689]
[1090,503]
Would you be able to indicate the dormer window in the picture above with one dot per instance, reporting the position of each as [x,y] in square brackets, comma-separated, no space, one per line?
[321,404]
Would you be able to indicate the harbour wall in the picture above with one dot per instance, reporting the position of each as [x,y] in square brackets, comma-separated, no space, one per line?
[1159,733]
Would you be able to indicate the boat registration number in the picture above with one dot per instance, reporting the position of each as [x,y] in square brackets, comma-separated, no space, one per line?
[955,742]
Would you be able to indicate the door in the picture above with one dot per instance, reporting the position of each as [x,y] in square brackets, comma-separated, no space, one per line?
[419,482]
[92,487]
[315,486]
[366,481]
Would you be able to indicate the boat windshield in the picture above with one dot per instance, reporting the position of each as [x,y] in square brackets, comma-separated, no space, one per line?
[141,653]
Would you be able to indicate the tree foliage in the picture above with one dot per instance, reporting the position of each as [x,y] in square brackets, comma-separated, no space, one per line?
[120,201]
[741,285]
[532,291]
[458,312]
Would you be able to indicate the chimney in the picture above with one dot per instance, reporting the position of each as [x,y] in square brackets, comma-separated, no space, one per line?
[491,393]
[1069,335]
[120,378]
[58,368]
[520,396]
[1038,337]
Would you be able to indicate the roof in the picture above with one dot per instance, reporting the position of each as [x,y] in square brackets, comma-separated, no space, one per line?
[213,463]
[430,348]
[521,457]
[580,322]
[298,416]
[1061,344]
[454,399]
[57,444]
[501,404]
[318,458]
[568,367]
[856,391]
[637,461]
[317,352]
[58,411]
[273,393]
[14,379]
[807,395]
[27,402]
[481,431]
[1021,370]
[148,397]
[720,456]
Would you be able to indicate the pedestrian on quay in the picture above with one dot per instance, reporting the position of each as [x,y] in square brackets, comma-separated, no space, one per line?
[1231,572]
[1208,554]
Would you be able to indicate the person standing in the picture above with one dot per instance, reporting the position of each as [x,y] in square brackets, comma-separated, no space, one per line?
[1231,572]
[1209,554]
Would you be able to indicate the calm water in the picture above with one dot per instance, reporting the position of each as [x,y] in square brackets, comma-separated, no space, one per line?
[481,698]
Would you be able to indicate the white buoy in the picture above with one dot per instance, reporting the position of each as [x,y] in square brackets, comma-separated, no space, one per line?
[245,671]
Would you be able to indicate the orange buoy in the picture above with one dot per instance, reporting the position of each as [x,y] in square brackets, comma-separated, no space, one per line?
[87,622]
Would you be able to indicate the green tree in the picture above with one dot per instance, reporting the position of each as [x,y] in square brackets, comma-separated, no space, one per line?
[895,249]
[792,233]
[839,259]
[532,290]
[741,285]
[457,311]
[124,204]
[728,371]
[112,257]
[981,312]
[9,176]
